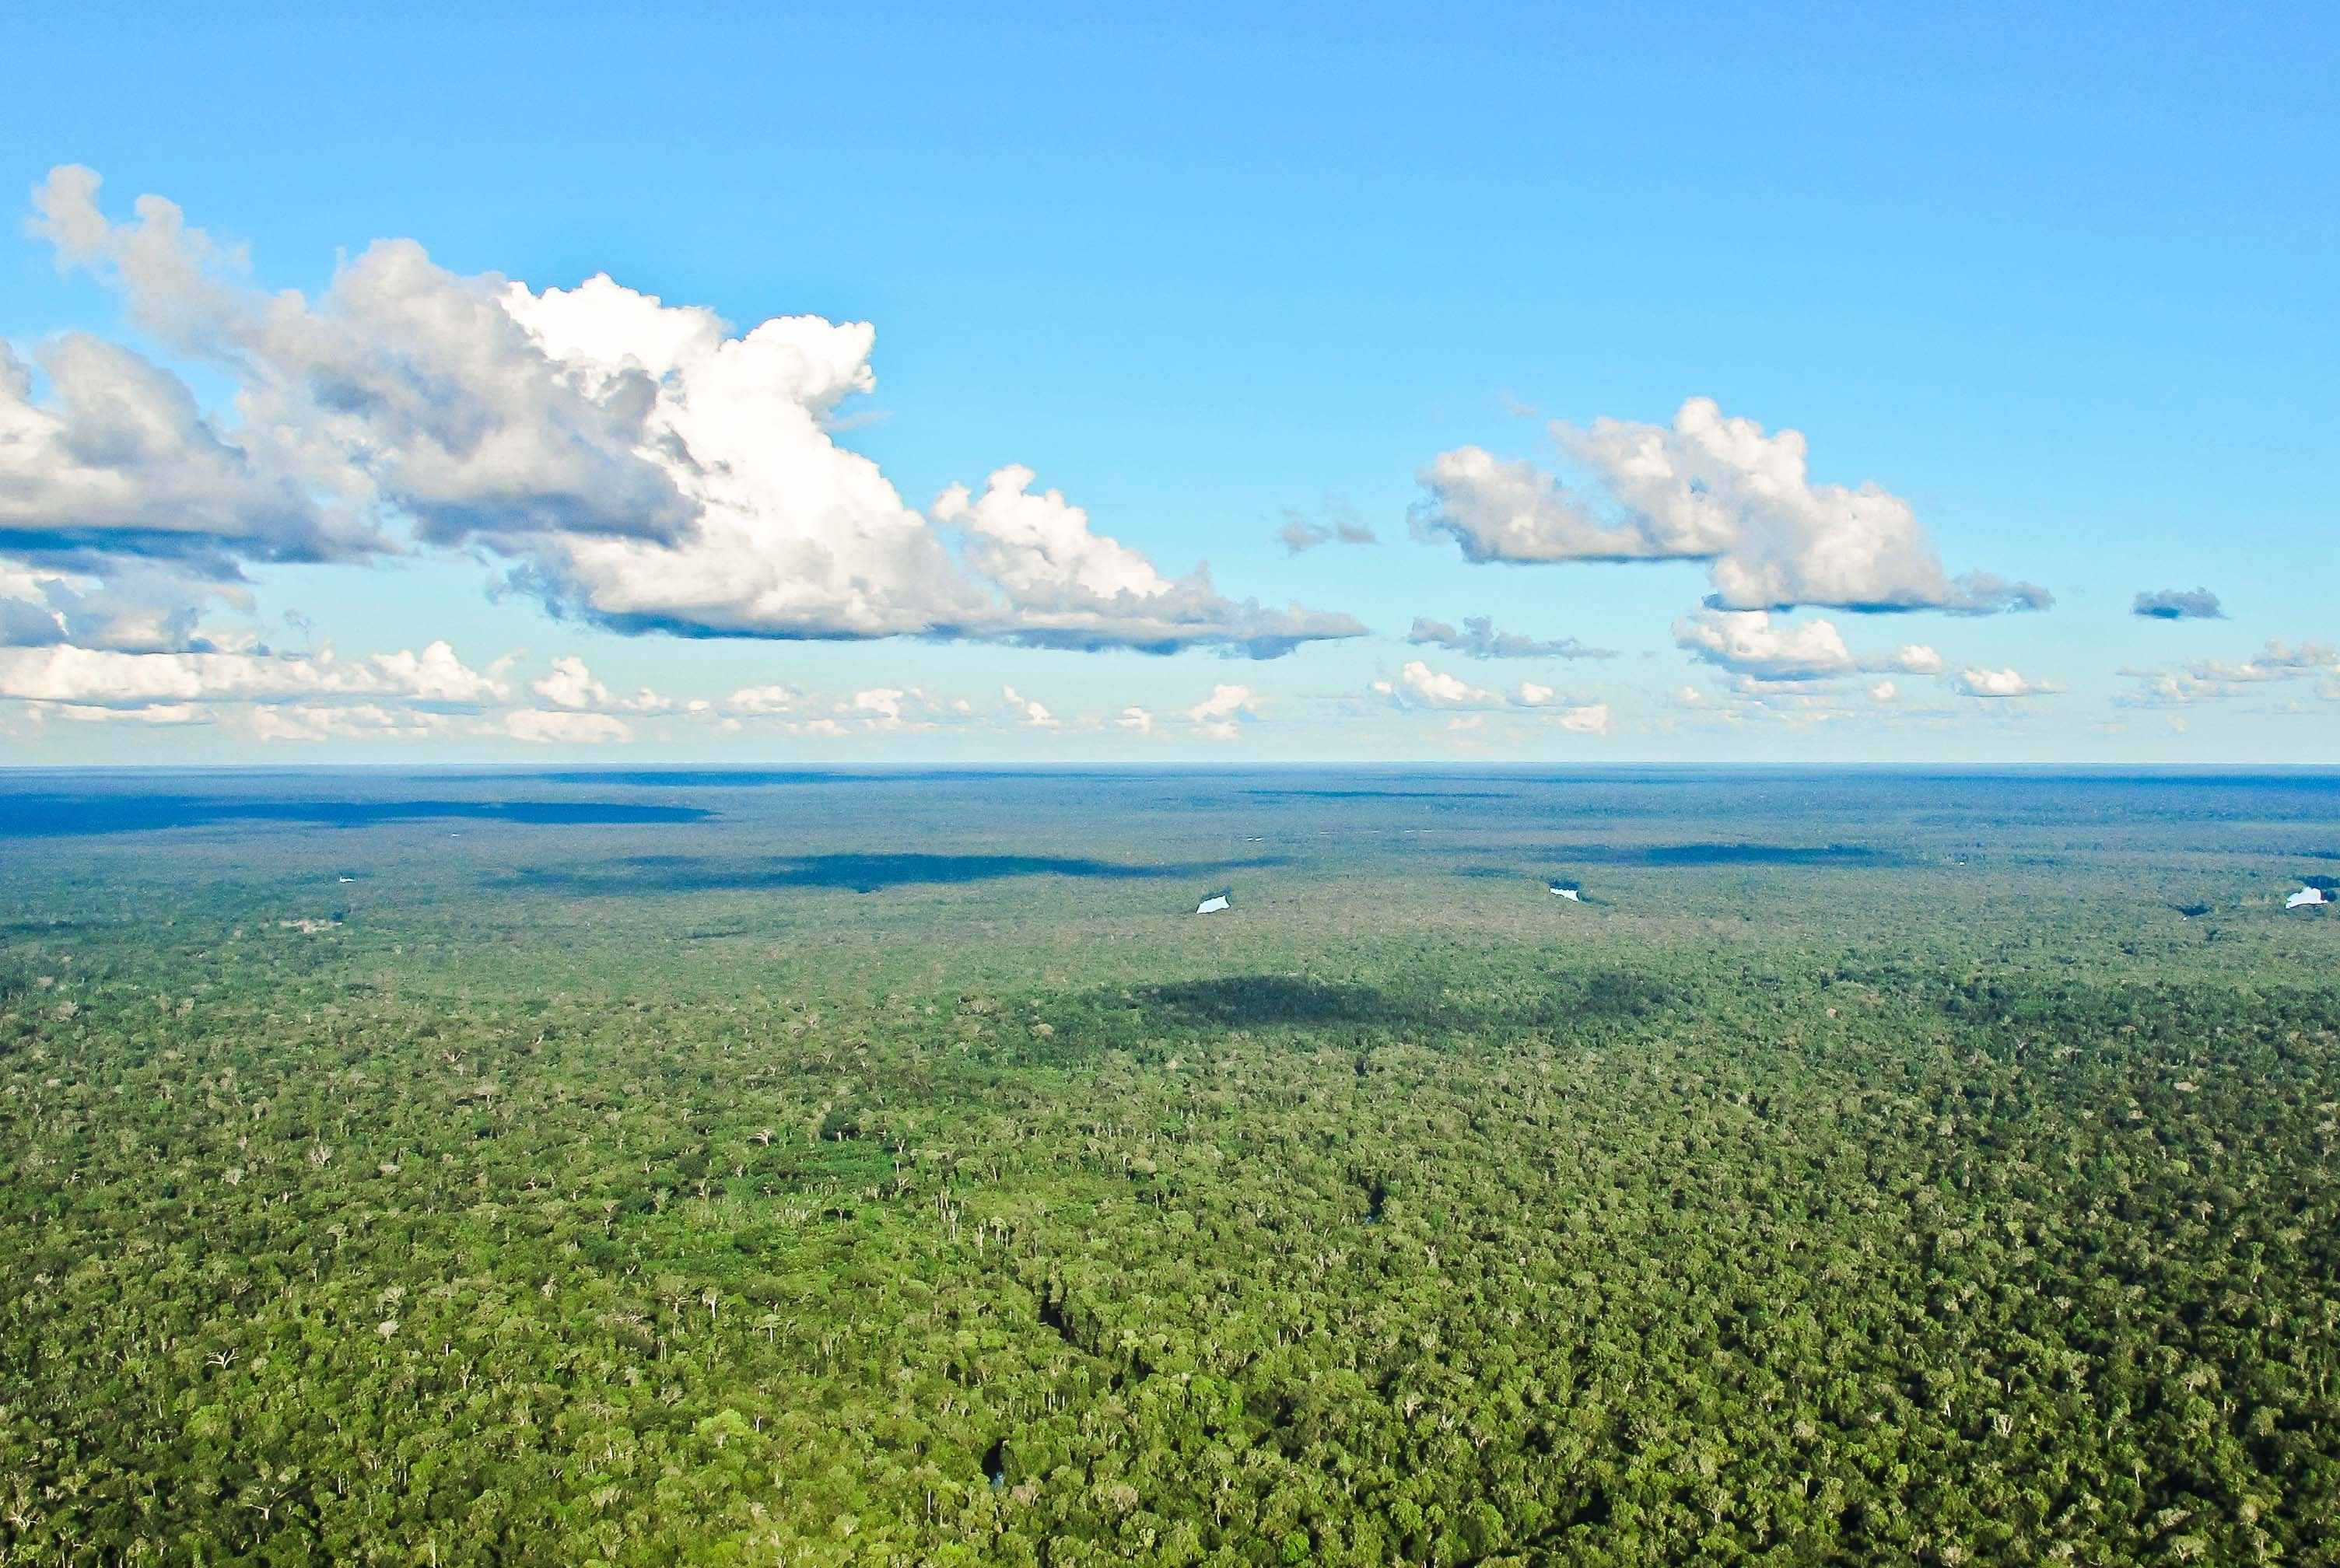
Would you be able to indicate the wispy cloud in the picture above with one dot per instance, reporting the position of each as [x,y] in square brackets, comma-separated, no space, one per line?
[1339,524]
[1478,639]
[2178,604]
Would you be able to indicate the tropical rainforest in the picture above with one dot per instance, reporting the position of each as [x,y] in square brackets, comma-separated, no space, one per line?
[487,1167]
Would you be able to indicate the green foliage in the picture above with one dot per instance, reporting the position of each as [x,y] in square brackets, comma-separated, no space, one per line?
[1781,1210]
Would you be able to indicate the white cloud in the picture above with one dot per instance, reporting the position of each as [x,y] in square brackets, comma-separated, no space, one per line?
[1419,687]
[1028,712]
[571,684]
[121,459]
[1713,488]
[2166,689]
[561,727]
[363,721]
[1511,510]
[1220,716]
[165,714]
[1591,719]
[103,678]
[1883,691]
[1751,643]
[765,701]
[1754,645]
[882,705]
[639,465]
[2278,660]
[1138,720]
[2002,683]
[135,609]
[1067,586]
[903,707]
[2214,679]
[1040,548]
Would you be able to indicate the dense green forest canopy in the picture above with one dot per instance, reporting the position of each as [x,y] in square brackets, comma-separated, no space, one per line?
[490,1167]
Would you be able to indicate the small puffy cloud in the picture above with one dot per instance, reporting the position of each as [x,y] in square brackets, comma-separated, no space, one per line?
[880,705]
[571,685]
[437,675]
[1220,716]
[1135,720]
[1711,489]
[1339,525]
[1027,712]
[1884,691]
[1478,639]
[1590,718]
[636,464]
[765,701]
[563,727]
[1418,687]
[900,707]
[1751,643]
[1976,682]
[2178,604]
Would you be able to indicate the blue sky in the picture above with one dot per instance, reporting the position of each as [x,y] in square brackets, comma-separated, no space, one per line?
[2057,283]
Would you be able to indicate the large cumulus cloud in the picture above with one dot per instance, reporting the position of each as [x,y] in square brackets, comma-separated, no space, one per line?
[634,463]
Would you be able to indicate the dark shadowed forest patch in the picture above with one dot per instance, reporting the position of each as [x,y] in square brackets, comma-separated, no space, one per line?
[652,874]
[1689,856]
[1383,794]
[1260,1002]
[1267,1001]
[710,778]
[46,816]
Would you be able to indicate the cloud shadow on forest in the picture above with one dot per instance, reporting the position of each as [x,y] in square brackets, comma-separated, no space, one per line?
[657,874]
[1297,794]
[1299,1001]
[1536,859]
[55,815]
